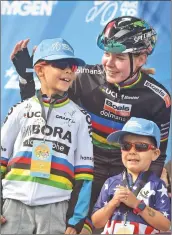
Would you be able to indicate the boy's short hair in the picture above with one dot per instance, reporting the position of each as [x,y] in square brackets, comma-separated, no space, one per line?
[55,49]
[137,126]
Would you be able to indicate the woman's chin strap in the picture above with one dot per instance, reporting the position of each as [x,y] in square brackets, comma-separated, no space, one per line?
[131,68]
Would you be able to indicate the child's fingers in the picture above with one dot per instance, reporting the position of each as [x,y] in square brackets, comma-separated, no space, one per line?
[16,49]
[2,220]
[121,195]
[25,42]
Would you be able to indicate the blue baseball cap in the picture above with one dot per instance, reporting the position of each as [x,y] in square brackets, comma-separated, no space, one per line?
[55,49]
[138,126]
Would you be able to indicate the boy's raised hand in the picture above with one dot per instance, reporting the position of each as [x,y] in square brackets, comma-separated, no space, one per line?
[22,60]
[19,47]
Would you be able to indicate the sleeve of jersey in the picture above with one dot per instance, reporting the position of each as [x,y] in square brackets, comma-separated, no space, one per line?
[80,197]
[9,131]
[103,198]
[27,88]
[162,203]
[162,117]
[88,78]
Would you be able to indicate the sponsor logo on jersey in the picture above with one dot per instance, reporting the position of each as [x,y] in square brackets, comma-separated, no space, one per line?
[145,193]
[88,120]
[32,114]
[86,158]
[47,131]
[89,71]
[159,92]
[57,146]
[115,95]
[3,149]
[112,116]
[117,108]
[126,97]
[109,92]
[66,120]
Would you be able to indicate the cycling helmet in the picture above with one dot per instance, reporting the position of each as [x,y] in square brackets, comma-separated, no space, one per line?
[127,34]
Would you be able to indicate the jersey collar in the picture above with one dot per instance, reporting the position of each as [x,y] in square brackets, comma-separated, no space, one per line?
[57,100]
[130,83]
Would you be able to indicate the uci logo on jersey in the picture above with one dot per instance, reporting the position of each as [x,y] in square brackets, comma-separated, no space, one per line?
[32,114]
[109,92]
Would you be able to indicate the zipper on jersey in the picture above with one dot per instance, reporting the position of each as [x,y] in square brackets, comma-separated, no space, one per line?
[118,94]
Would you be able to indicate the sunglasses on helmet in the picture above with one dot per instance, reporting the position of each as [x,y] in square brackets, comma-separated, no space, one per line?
[138,146]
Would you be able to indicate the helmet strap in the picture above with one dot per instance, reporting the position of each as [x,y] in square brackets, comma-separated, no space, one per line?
[131,68]
[131,64]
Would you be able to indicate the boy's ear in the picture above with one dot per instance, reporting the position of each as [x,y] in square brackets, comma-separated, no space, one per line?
[156,154]
[38,70]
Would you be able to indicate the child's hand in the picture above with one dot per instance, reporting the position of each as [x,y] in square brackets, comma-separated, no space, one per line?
[22,60]
[70,230]
[130,199]
[119,195]
[2,220]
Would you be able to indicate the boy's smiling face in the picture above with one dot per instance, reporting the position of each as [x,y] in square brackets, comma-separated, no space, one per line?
[136,161]
[54,80]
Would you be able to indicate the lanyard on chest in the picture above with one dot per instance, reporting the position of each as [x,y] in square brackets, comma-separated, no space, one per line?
[140,184]
[43,114]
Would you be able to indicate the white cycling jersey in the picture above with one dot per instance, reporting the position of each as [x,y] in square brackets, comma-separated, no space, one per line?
[68,129]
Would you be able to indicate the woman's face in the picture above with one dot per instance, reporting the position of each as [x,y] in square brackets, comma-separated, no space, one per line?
[117,66]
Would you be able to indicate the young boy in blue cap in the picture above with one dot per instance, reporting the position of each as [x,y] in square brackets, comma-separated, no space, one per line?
[136,201]
[47,153]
